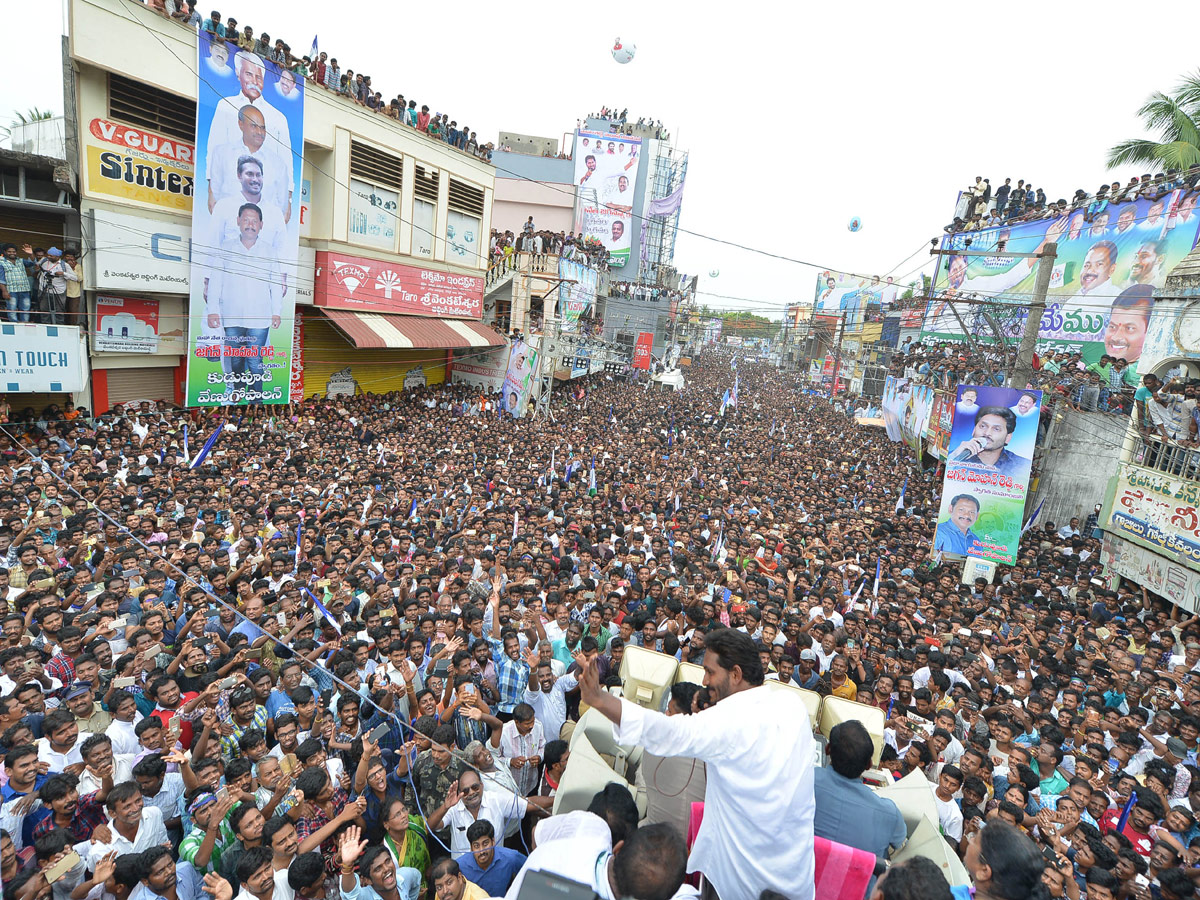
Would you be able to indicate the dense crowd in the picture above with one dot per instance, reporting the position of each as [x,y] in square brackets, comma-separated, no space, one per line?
[979,207]
[543,243]
[343,652]
[1107,385]
[322,70]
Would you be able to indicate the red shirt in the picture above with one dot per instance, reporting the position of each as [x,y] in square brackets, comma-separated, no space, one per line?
[166,715]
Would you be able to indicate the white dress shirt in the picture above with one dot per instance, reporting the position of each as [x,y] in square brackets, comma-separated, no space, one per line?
[59,761]
[150,833]
[495,807]
[124,741]
[551,708]
[757,745]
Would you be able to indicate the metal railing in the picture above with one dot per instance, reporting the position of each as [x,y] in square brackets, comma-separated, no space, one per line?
[1173,457]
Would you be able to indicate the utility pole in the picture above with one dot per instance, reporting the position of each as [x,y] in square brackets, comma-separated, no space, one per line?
[1023,367]
[837,355]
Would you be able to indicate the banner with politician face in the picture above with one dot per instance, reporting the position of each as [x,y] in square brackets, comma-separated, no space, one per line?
[987,472]
[605,172]
[245,228]
[1109,260]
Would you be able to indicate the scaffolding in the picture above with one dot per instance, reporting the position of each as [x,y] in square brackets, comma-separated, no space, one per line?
[666,175]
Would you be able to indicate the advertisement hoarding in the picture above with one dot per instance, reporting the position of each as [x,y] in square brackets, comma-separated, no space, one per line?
[126,324]
[246,233]
[484,369]
[41,358]
[372,285]
[1102,284]
[1178,584]
[605,171]
[518,378]
[987,472]
[642,350]
[1157,511]
[138,167]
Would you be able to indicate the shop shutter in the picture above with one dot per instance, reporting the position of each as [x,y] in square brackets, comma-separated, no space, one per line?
[326,351]
[152,383]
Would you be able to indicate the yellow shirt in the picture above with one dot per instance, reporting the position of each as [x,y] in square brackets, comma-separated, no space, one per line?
[847,691]
[471,892]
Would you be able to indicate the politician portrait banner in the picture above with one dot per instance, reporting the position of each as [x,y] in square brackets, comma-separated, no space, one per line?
[245,228]
[987,472]
[1108,263]
[576,292]
[840,293]
[605,172]
[518,378]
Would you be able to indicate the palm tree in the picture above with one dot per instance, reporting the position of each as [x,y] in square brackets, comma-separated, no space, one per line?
[1176,121]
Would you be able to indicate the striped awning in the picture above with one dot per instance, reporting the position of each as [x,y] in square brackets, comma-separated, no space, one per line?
[394,332]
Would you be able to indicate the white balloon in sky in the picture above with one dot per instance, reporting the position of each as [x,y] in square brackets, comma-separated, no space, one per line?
[623,51]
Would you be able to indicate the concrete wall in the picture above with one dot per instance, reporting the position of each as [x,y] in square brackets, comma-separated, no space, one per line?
[1075,470]
[551,205]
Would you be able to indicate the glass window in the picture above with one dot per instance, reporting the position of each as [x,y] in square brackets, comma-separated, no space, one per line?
[462,239]
[423,216]
[374,214]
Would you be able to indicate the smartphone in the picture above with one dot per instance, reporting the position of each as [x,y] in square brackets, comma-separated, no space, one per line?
[119,622]
[152,651]
[377,733]
[222,793]
[124,682]
[62,867]
[227,683]
[1050,856]
[256,653]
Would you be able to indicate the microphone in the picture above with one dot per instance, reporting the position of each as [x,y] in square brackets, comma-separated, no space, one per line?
[963,455]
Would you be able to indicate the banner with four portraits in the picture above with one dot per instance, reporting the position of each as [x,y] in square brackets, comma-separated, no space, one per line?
[245,228]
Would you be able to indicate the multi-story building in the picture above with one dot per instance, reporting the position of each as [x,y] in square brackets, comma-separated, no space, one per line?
[377,196]
[1151,509]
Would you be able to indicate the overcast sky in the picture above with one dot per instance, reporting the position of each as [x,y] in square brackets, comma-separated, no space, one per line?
[796,119]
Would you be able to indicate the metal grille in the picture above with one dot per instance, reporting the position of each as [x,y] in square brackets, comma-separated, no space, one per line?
[466,197]
[148,107]
[426,185]
[375,165]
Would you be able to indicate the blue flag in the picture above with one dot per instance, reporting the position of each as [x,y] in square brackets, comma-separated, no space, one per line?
[322,610]
[208,445]
[1037,512]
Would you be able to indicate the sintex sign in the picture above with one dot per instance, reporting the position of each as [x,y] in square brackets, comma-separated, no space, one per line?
[138,166]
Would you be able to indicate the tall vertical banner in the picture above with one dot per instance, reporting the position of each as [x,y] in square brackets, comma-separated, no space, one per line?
[987,472]
[518,378]
[1102,285]
[605,172]
[245,228]
[576,293]
[643,350]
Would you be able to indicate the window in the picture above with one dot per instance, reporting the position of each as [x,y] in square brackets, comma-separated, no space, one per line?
[462,238]
[374,214]
[425,196]
[423,216]
[148,107]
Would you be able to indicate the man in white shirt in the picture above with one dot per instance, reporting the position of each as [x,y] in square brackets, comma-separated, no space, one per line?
[547,695]
[520,744]
[60,746]
[758,749]
[132,825]
[467,802]
[950,817]
[646,861]
[243,297]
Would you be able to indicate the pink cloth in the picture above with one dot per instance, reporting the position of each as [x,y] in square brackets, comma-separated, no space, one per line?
[694,821]
[841,872]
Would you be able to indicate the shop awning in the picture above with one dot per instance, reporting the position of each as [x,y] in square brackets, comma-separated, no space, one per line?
[377,330]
